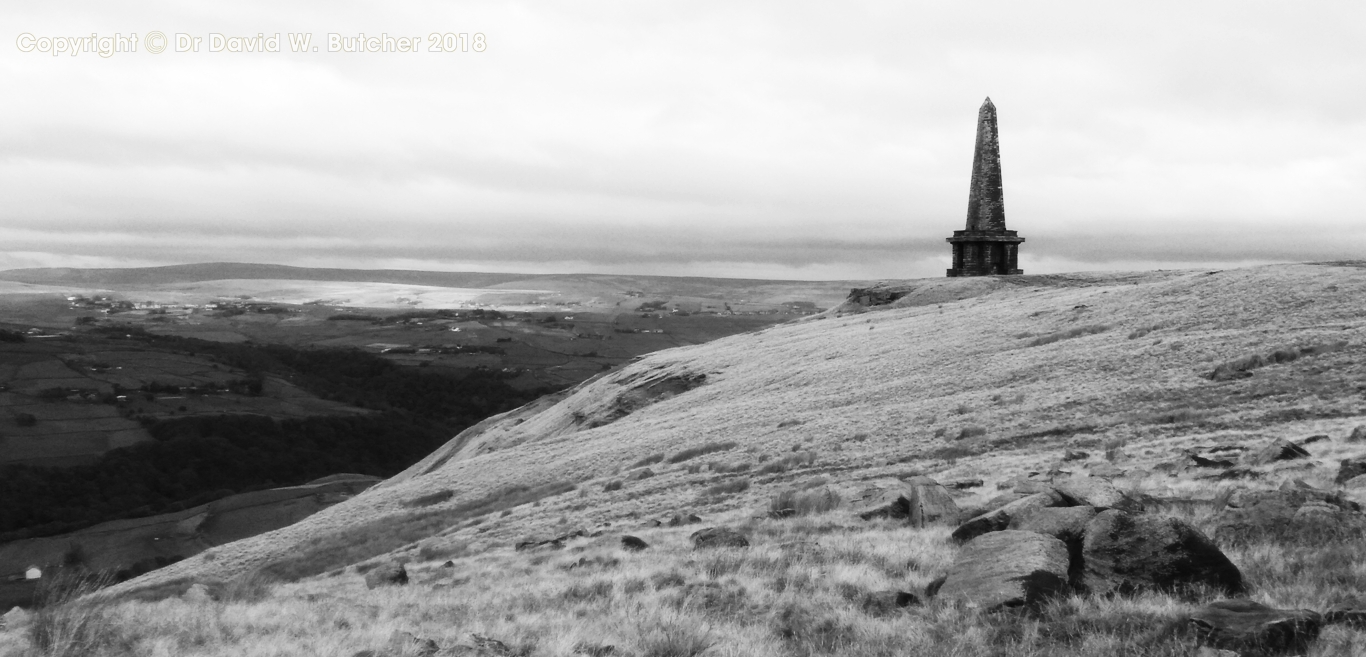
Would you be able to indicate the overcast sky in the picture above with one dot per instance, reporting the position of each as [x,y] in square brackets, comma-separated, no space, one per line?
[776,140]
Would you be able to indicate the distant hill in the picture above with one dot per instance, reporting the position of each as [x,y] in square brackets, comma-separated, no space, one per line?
[115,278]
[135,277]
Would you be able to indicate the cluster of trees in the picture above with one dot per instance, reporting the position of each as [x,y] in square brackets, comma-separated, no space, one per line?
[195,460]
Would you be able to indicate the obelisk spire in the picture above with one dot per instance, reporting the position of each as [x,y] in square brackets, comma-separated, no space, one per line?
[986,204]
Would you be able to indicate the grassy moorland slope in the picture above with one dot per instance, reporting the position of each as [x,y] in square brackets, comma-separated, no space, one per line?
[988,379]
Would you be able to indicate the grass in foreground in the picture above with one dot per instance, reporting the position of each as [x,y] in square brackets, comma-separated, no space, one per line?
[803,588]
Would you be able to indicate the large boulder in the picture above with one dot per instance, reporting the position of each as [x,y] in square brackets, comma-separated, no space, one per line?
[390,573]
[715,537]
[633,543]
[1096,492]
[1358,434]
[999,519]
[1007,568]
[920,501]
[1065,523]
[1124,553]
[1350,469]
[1250,628]
[1279,449]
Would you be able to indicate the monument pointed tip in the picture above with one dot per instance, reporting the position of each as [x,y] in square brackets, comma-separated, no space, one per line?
[987,101]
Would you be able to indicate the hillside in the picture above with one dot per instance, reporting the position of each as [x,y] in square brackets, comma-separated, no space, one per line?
[962,379]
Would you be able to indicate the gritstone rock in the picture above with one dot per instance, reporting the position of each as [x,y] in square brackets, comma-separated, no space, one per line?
[1349,469]
[1250,628]
[999,519]
[885,603]
[920,501]
[1007,569]
[1275,515]
[1096,492]
[196,593]
[680,519]
[1125,553]
[1358,434]
[633,544]
[387,574]
[714,537]
[1065,523]
[1350,612]
[1279,450]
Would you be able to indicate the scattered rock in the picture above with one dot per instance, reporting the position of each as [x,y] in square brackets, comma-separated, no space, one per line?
[1358,434]
[197,593]
[1105,469]
[1349,469]
[1096,492]
[1197,461]
[714,537]
[391,573]
[1027,486]
[963,484]
[556,543]
[448,564]
[406,643]
[886,603]
[1070,455]
[595,649]
[1247,627]
[680,519]
[999,519]
[1275,515]
[920,501]
[490,646]
[1279,450]
[1355,483]
[1350,612]
[633,544]
[1125,553]
[643,473]
[1007,569]
[1312,439]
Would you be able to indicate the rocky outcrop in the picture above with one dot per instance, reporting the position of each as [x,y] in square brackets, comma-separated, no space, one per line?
[1065,523]
[1250,628]
[999,519]
[717,537]
[1289,515]
[920,501]
[1095,492]
[1125,553]
[1007,569]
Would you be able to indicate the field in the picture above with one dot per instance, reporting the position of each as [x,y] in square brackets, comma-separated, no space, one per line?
[992,380]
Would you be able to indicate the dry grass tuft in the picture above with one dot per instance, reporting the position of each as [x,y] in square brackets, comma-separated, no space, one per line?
[701,450]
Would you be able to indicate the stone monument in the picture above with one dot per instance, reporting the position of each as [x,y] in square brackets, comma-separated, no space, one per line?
[986,247]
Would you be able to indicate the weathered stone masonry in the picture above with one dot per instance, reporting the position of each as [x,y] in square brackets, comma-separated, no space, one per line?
[985,247]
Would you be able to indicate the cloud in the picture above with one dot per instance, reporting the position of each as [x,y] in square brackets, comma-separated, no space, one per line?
[799,139]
